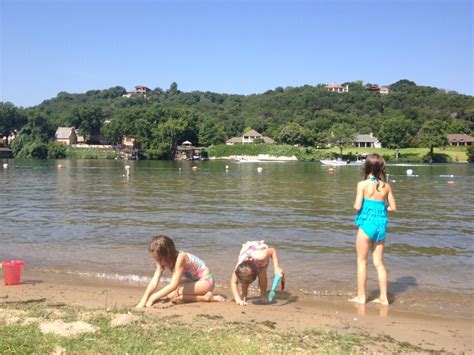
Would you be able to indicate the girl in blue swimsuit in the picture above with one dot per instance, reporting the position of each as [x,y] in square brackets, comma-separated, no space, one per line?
[373,200]
[197,284]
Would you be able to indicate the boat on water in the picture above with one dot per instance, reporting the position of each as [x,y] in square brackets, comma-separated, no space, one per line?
[339,162]
[248,160]
[333,162]
[262,158]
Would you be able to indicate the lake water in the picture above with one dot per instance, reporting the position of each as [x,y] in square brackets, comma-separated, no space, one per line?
[89,219]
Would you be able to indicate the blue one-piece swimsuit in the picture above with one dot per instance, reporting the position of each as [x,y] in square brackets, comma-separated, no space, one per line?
[372,219]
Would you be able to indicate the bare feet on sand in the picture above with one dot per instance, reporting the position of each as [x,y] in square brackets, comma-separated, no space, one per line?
[357,299]
[380,301]
[218,298]
[210,297]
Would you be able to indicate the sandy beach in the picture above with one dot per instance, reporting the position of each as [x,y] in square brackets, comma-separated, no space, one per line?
[426,327]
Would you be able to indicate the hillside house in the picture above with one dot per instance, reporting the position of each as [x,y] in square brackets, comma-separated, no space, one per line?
[139,90]
[66,135]
[143,90]
[382,90]
[337,88]
[250,136]
[367,141]
[458,139]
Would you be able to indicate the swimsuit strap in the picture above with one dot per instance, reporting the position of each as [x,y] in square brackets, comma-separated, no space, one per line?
[373,178]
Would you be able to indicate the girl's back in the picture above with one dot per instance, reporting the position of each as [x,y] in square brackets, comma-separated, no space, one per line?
[374,189]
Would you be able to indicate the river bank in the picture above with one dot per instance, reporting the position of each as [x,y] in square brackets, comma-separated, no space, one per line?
[405,155]
[359,328]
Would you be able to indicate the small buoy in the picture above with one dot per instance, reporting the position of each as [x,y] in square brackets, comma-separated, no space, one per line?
[127,169]
[5,166]
[227,167]
[179,169]
[60,166]
[259,169]
[409,172]
[450,181]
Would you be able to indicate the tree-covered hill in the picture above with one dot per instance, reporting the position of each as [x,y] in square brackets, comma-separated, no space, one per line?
[307,115]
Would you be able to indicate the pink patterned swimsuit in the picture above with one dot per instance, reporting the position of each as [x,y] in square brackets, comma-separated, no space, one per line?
[195,268]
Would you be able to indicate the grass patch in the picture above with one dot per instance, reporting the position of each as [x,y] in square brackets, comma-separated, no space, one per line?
[150,333]
[89,153]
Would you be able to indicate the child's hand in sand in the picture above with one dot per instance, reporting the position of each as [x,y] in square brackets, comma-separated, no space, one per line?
[241,302]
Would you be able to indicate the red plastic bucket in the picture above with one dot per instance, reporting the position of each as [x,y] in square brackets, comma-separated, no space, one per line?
[12,271]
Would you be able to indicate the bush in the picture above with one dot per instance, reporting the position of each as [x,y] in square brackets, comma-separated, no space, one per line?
[470,153]
[437,158]
[56,151]
[38,150]
[35,149]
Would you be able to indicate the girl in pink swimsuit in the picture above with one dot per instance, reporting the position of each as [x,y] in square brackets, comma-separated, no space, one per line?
[252,263]
[198,282]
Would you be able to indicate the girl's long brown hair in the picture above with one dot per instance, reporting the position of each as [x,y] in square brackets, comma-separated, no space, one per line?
[375,165]
[163,250]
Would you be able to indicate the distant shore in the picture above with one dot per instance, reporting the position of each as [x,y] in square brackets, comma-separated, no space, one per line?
[420,330]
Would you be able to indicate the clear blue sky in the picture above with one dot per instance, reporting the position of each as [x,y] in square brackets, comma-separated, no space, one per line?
[239,47]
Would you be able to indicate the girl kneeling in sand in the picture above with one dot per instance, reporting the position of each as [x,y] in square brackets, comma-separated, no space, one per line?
[373,200]
[253,263]
[198,283]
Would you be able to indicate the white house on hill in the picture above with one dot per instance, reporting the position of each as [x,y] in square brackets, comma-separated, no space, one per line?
[367,141]
[250,137]
[337,88]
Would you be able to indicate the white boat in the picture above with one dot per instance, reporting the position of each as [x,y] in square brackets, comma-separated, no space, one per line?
[249,160]
[341,162]
[262,158]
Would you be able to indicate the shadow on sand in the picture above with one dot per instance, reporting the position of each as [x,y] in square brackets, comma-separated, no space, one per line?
[395,288]
[282,298]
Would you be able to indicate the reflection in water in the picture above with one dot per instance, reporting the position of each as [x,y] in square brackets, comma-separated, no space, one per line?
[361,309]
[89,217]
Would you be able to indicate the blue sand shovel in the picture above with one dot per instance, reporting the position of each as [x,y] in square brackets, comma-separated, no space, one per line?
[271,294]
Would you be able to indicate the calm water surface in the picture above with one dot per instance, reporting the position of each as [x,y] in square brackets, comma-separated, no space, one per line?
[88,218]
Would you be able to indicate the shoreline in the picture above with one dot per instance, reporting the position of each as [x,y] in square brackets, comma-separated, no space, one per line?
[296,311]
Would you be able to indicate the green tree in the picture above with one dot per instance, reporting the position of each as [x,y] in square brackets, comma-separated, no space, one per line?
[176,127]
[173,90]
[458,126]
[396,132]
[32,139]
[113,131]
[88,120]
[211,132]
[470,153]
[342,135]
[11,119]
[433,134]
[293,133]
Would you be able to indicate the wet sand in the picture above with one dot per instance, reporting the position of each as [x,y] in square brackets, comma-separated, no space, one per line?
[420,323]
